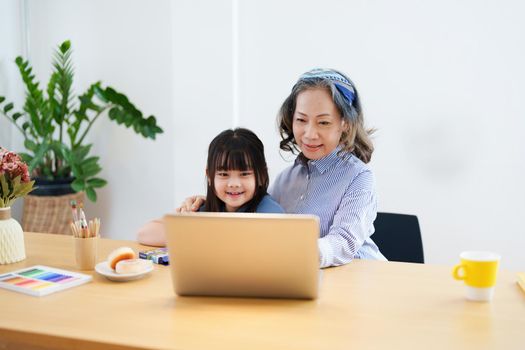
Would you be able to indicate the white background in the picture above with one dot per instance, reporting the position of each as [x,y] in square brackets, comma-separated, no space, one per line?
[442,82]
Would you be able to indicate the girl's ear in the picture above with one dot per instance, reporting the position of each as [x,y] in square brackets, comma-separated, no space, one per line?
[208,177]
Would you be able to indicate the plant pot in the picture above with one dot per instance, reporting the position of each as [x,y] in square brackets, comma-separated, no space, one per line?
[12,248]
[49,214]
[56,187]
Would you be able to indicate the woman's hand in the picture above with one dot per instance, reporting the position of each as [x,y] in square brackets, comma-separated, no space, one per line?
[190,204]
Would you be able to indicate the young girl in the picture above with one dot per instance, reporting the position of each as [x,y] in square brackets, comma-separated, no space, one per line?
[237,180]
[322,119]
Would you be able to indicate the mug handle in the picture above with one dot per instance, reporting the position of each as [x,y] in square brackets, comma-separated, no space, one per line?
[456,272]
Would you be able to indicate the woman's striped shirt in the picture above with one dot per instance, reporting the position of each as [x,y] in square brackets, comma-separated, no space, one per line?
[340,190]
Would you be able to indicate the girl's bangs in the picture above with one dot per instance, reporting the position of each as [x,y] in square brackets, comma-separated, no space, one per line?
[233,160]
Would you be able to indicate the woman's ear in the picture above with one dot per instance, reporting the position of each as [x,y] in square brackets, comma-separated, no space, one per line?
[346,126]
[208,177]
[346,130]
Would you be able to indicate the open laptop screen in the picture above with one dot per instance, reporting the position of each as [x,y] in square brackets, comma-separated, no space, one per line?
[244,254]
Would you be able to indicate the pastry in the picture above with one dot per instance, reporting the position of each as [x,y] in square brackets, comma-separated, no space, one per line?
[118,254]
[132,266]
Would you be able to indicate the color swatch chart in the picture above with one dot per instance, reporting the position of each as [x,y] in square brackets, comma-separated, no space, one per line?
[41,280]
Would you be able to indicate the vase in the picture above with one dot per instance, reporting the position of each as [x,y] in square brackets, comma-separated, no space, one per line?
[12,248]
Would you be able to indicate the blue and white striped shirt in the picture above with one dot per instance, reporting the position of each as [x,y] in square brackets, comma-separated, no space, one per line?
[340,190]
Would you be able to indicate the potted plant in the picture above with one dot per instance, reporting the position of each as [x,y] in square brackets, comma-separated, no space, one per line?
[54,123]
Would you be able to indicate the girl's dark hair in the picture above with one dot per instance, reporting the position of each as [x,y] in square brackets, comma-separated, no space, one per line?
[236,149]
[356,139]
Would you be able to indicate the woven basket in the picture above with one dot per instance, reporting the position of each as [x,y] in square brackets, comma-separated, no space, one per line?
[50,214]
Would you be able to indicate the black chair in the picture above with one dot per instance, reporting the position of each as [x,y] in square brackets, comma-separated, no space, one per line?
[398,237]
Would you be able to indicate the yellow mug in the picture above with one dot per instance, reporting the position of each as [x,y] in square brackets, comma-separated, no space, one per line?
[479,271]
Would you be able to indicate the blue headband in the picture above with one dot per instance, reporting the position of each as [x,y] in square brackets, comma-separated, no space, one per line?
[342,84]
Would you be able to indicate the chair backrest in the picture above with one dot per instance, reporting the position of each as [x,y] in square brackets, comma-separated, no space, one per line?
[398,237]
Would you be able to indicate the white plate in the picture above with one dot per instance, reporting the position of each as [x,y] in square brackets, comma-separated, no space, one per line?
[104,269]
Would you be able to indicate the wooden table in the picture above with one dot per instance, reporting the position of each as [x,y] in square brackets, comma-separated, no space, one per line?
[363,305]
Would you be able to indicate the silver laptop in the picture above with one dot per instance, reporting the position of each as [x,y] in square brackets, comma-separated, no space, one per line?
[244,254]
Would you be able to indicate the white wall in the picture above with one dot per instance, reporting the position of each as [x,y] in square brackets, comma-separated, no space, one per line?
[10,23]
[441,81]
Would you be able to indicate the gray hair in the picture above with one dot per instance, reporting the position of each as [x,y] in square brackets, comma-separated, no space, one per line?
[356,139]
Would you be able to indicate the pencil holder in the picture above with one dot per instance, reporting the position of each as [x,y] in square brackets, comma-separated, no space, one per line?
[86,252]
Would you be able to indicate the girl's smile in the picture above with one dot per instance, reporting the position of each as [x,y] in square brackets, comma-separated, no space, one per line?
[234,194]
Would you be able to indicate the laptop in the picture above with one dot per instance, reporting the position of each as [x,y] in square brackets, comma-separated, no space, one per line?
[244,254]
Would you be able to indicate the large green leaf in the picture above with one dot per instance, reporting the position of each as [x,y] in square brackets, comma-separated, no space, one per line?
[81,152]
[78,185]
[91,170]
[91,194]
[90,160]
[77,170]
[96,182]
